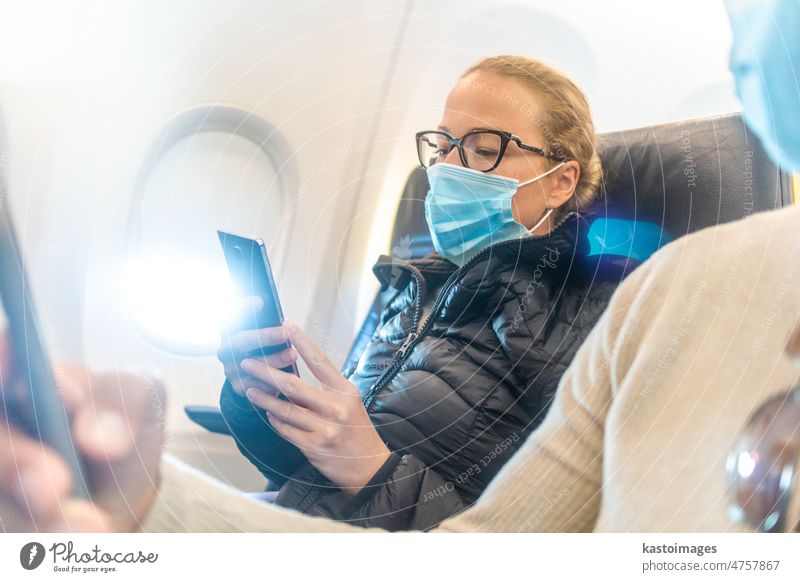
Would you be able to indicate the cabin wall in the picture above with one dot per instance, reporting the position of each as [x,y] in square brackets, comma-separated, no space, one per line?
[88,87]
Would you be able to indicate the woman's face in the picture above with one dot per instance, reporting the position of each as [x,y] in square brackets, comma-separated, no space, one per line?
[488,101]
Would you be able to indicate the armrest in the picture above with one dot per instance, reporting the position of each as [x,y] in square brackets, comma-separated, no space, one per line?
[209,417]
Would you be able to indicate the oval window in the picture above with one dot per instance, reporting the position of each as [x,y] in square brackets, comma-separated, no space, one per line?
[203,177]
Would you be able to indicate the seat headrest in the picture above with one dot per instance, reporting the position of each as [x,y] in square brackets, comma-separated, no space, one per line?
[659,183]
[688,175]
[411,238]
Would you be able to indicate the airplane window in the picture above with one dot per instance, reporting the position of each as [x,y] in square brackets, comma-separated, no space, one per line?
[199,180]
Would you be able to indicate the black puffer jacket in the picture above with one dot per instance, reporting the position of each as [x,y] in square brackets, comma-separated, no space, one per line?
[454,396]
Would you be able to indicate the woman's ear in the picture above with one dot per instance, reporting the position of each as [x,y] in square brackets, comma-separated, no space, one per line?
[565,181]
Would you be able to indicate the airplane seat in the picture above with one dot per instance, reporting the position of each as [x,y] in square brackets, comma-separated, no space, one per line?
[664,181]
[659,183]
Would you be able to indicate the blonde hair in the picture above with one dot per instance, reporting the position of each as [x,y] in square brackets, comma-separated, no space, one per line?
[566,121]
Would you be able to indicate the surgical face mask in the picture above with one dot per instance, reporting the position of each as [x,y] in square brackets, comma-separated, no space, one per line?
[765,61]
[467,210]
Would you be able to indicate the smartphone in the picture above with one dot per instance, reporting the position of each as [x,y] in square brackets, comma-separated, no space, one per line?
[249,268]
[32,403]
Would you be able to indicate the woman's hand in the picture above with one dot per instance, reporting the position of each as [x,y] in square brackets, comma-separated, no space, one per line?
[237,345]
[117,422]
[329,424]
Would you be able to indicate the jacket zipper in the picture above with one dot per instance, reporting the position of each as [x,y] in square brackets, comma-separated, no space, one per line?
[414,337]
[419,332]
[415,274]
[408,344]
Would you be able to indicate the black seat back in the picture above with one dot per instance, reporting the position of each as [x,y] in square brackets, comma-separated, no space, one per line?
[665,181]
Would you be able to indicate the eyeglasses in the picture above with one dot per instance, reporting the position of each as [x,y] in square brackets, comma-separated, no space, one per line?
[480,150]
[763,466]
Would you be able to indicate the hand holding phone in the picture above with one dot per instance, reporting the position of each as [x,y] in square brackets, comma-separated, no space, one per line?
[117,426]
[32,402]
[66,430]
[258,331]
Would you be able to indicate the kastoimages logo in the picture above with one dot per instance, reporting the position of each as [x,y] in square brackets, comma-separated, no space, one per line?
[31,555]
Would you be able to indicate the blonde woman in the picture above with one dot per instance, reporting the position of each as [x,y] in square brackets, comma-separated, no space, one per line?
[473,339]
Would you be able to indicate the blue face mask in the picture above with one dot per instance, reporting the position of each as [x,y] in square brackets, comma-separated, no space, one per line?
[467,211]
[765,61]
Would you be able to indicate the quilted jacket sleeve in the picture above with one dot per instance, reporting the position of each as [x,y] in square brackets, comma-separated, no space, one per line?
[403,495]
[541,341]
[273,456]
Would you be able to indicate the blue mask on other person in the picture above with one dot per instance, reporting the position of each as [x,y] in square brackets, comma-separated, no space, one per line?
[467,210]
[765,61]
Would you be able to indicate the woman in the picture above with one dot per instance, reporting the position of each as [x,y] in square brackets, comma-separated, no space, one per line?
[473,339]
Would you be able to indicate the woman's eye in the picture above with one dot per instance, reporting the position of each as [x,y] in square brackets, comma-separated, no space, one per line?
[484,153]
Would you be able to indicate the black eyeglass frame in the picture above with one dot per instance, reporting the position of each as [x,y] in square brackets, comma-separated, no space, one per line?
[505,138]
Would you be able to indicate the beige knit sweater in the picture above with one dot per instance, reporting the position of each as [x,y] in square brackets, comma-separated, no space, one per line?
[637,437]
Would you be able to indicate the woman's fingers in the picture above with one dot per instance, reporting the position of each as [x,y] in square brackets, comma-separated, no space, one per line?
[239,379]
[236,343]
[294,435]
[284,410]
[282,359]
[294,388]
[319,364]
[250,340]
